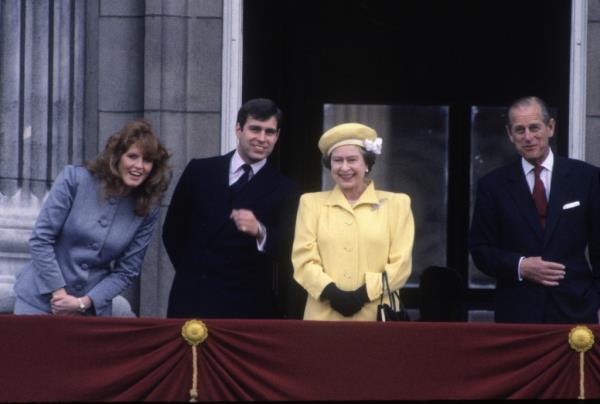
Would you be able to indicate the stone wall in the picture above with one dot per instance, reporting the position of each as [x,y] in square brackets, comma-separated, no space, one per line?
[41,114]
[593,84]
[182,98]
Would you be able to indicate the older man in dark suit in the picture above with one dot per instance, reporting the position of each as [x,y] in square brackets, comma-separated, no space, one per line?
[230,220]
[533,221]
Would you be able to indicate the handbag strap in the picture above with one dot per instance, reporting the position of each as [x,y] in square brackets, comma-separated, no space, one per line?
[385,287]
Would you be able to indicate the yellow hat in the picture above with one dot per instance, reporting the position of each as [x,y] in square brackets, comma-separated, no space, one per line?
[350,133]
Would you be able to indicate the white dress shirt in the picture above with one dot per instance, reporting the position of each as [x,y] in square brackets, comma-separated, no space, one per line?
[236,171]
[545,174]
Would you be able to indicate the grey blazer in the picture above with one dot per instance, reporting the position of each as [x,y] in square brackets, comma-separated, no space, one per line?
[84,242]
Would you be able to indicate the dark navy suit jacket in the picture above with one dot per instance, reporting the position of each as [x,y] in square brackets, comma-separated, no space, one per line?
[219,272]
[505,227]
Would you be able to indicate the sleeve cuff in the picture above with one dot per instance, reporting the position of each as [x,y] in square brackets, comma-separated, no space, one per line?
[261,237]
[519,277]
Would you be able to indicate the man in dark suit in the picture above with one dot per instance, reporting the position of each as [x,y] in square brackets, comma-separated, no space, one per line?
[230,220]
[532,226]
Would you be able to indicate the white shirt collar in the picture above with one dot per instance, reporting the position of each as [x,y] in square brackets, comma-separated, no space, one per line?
[548,164]
[237,162]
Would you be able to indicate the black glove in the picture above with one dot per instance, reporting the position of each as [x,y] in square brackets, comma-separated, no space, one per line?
[345,303]
[361,294]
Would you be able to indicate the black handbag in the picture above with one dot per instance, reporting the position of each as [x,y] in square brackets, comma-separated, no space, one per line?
[394,311]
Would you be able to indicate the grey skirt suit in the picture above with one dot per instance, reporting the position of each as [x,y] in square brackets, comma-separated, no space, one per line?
[87,243]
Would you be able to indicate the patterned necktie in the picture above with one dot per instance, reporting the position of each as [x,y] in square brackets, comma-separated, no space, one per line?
[239,184]
[539,195]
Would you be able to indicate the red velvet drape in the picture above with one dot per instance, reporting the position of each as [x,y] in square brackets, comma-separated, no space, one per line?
[46,358]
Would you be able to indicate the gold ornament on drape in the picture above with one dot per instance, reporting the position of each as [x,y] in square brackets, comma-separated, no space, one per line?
[581,339]
[194,332]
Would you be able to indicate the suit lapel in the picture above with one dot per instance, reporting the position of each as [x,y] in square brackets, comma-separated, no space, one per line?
[519,191]
[260,185]
[221,197]
[221,173]
[559,194]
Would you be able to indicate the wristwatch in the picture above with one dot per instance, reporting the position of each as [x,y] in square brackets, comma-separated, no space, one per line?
[81,305]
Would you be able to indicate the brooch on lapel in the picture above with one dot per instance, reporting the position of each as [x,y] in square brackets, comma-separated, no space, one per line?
[377,205]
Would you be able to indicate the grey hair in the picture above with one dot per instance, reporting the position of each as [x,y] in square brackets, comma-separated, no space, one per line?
[525,102]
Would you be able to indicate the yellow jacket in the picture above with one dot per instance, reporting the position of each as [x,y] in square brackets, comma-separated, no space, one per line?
[351,245]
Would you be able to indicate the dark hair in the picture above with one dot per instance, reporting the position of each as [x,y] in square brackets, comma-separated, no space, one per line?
[261,109]
[106,165]
[368,156]
[527,101]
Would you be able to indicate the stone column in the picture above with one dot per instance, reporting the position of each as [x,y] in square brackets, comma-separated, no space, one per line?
[41,114]
[182,98]
[593,84]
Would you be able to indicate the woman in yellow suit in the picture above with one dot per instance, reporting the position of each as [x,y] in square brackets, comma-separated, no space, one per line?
[346,237]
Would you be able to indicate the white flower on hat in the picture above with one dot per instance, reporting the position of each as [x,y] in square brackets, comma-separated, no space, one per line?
[373,145]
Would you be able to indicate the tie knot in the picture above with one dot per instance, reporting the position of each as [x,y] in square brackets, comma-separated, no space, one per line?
[537,169]
[243,179]
[247,172]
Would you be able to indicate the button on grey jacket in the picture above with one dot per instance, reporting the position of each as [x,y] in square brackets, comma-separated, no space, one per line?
[89,244]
